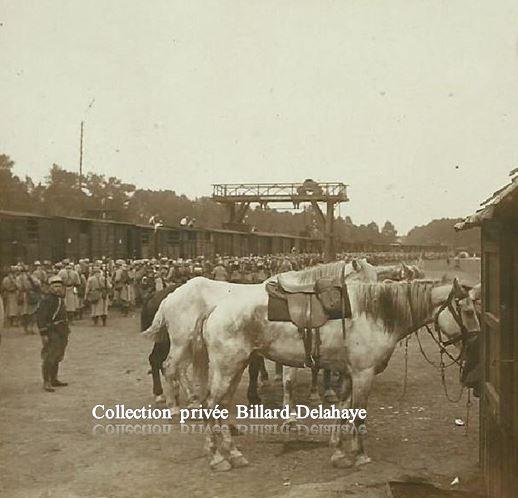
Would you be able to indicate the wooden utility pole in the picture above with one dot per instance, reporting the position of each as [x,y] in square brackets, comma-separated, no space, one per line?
[81,157]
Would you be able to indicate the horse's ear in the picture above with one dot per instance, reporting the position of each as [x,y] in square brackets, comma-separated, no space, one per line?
[408,273]
[458,289]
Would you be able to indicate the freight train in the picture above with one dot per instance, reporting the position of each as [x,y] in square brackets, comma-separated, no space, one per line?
[27,237]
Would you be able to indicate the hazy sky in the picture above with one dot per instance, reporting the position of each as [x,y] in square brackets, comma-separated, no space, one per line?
[412,103]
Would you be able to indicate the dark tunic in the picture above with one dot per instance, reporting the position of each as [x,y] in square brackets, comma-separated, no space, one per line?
[52,322]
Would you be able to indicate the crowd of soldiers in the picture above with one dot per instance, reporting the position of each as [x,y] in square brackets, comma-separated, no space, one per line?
[100,285]
[53,295]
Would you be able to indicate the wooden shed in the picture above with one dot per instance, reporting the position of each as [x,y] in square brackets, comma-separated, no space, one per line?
[498,219]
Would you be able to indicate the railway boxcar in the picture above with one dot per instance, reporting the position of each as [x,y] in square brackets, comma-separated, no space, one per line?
[26,237]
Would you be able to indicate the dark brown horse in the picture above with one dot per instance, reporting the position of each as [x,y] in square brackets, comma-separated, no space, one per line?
[162,344]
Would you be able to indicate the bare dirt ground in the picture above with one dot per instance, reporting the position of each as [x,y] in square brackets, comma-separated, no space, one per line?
[51,447]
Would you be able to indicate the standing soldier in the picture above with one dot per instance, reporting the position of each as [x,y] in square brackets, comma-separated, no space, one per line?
[121,284]
[71,281]
[53,326]
[82,271]
[10,293]
[220,272]
[96,293]
[41,275]
[285,266]
[29,298]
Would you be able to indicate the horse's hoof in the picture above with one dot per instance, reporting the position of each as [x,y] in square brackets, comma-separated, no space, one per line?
[175,411]
[362,460]
[277,379]
[314,398]
[340,460]
[160,399]
[220,465]
[234,431]
[289,423]
[255,401]
[330,396]
[238,461]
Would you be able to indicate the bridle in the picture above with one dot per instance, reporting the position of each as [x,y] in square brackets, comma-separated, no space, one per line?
[452,304]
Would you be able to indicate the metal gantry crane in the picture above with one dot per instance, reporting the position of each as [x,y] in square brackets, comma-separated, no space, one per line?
[237,197]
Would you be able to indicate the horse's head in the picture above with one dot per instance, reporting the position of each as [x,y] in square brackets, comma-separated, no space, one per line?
[363,271]
[455,314]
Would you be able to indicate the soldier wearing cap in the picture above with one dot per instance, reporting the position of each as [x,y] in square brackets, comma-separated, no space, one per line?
[71,281]
[53,326]
[220,272]
[10,293]
[29,298]
[97,292]
[41,275]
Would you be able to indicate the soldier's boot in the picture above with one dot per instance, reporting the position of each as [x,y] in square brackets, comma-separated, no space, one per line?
[46,379]
[54,382]
[103,317]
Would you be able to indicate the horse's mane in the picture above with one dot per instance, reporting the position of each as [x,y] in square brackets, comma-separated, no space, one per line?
[391,303]
[323,270]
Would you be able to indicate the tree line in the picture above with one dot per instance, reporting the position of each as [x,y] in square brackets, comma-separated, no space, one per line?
[63,193]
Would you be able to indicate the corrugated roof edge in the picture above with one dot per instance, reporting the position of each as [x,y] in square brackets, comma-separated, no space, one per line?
[489,205]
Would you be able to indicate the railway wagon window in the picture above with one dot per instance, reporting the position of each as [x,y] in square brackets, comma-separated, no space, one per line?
[33,234]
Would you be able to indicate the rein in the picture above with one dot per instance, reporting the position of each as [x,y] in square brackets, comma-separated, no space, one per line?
[453,306]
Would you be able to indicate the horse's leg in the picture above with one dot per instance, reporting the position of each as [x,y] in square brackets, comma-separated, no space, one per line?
[253,374]
[187,387]
[289,377]
[176,376]
[314,395]
[361,386]
[172,386]
[155,373]
[278,372]
[329,392]
[263,372]
[223,384]
[341,457]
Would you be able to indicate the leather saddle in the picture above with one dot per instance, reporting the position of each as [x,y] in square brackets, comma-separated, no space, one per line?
[308,305]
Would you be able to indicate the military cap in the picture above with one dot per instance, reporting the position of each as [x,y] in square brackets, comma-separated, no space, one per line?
[55,280]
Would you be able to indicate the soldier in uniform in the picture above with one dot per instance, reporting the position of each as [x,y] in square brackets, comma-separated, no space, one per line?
[10,292]
[121,285]
[53,326]
[41,275]
[71,281]
[29,298]
[97,292]
[220,272]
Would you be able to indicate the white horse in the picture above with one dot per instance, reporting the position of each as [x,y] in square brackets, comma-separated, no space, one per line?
[182,312]
[383,314]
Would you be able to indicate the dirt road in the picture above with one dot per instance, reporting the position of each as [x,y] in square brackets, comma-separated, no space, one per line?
[51,446]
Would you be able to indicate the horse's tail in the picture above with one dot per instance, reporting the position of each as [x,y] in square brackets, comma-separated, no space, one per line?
[152,332]
[200,357]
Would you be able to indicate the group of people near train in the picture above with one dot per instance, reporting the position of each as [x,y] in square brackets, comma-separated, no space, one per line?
[53,295]
[101,285]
